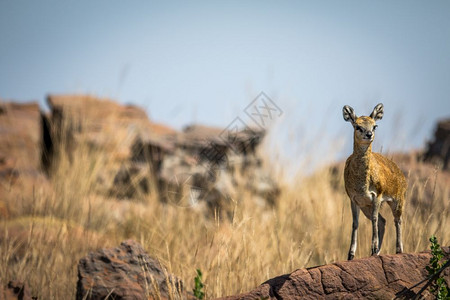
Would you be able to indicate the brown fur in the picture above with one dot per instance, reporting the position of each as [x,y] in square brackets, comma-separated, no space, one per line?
[370,179]
[378,172]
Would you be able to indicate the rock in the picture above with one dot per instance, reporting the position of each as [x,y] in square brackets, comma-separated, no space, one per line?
[101,123]
[194,167]
[439,149]
[376,277]
[201,166]
[107,129]
[215,165]
[20,154]
[20,136]
[125,272]
[131,180]
[15,290]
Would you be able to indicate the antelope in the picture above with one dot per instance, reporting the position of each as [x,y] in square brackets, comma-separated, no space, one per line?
[371,179]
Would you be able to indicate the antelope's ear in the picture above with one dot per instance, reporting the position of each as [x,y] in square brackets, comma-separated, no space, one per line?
[377,113]
[349,114]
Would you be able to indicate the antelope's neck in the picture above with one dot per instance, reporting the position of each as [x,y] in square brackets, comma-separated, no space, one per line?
[362,153]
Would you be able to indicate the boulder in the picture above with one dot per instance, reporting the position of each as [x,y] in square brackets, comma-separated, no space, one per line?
[376,277]
[439,149]
[125,272]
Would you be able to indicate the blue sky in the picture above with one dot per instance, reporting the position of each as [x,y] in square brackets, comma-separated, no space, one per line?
[205,61]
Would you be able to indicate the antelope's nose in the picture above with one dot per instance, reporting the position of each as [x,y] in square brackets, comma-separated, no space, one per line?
[369,134]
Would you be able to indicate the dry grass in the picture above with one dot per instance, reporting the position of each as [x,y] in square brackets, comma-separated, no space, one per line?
[51,229]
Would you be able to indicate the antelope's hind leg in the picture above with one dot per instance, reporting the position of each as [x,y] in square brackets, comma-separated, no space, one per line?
[397,212]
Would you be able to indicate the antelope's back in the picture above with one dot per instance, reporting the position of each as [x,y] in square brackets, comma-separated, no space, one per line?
[387,177]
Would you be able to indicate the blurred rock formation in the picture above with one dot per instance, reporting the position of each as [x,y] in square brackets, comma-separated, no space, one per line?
[204,167]
[439,149]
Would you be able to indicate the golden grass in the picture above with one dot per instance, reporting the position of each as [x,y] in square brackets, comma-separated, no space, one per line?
[50,231]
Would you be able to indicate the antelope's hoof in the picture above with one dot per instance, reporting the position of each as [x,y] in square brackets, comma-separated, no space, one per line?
[350,256]
[375,251]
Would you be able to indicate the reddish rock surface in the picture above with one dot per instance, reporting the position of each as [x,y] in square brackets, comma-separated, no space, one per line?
[125,272]
[377,277]
[15,290]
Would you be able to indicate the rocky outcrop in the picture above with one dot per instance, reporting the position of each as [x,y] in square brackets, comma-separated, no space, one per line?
[377,277]
[125,272]
[100,124]
[15,290]
[214,166]
[204,167]
[200,166]
[439,149]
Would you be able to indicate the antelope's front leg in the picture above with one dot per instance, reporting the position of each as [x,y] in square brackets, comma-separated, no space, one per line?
[355,215]
[376,203]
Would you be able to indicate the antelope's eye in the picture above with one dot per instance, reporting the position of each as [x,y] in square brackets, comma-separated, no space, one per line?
[359,128]
[375,127]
